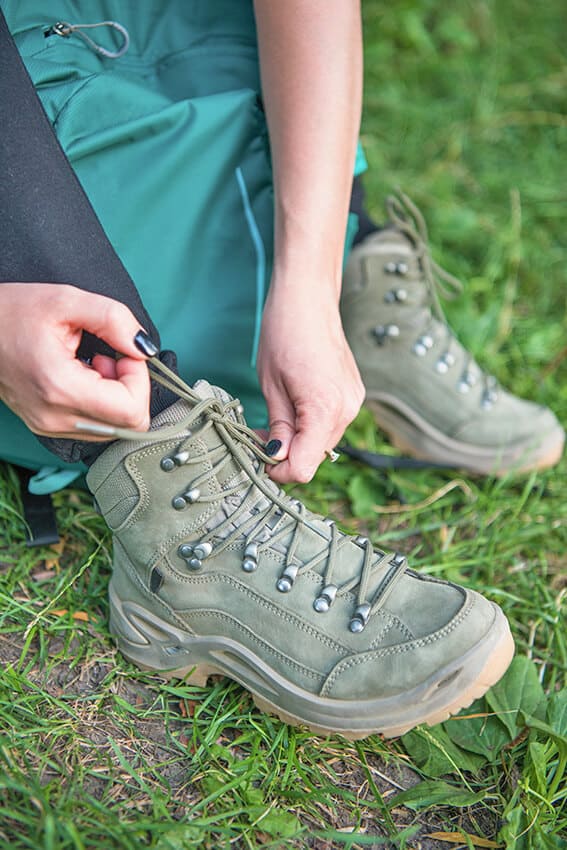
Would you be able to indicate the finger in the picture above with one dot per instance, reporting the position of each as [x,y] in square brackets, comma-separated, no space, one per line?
[105,366]
[282,426]
[314,437]
[108,320]
[122,402]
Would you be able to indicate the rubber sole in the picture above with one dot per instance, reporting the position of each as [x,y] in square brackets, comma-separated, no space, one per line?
[154,644]
[410,433]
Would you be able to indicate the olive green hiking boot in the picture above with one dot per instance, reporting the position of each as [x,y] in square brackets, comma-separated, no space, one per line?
[216,570]
[425,390]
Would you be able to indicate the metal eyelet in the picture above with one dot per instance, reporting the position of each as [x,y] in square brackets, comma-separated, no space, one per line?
[402,268]
[203,550]
[250,560]
[466,381]
[360,617]
[180,458]
[397,559]
[422,345]
[287,578]
[383,332]
[395,296]
[444,363]
[167,464]
[489,398]
[188,553]
[325,598]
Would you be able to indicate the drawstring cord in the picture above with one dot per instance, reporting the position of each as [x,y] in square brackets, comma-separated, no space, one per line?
[65,29]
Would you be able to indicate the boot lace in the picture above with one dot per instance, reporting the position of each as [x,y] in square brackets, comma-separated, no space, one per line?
[260,515]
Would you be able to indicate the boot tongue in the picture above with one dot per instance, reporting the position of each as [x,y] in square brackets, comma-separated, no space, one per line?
[178,411]
[205,390]
[392,235]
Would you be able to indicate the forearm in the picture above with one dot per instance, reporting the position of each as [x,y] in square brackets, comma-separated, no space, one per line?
[311,68]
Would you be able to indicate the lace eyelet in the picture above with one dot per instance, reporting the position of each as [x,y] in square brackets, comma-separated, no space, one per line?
[250,560]
[360,618]
[287,578]
[383,332]
[325,598]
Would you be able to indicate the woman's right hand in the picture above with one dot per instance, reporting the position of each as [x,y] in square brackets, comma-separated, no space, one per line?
[42,380]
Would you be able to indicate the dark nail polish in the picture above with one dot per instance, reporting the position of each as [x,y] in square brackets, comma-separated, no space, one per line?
[273,447]
[144,344]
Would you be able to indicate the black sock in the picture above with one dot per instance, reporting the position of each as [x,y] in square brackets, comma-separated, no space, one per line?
[366,225]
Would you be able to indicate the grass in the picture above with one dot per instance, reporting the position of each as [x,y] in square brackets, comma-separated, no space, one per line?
[465,107]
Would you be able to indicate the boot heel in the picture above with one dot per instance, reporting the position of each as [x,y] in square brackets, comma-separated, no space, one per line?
[153,644]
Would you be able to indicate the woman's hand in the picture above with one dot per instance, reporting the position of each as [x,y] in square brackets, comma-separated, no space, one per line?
[41,379]
[309,378]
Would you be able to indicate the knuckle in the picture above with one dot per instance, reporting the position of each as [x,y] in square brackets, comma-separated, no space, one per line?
[303,475]
[43,423]
[137,420]
[49,391]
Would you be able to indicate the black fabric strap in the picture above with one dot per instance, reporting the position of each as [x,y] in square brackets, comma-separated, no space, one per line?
[41,527]
[377,461]
[49,232]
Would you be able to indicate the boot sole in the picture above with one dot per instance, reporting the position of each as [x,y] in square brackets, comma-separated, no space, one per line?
[410,433]
[154,644]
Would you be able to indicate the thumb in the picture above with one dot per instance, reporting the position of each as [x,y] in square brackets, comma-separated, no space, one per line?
[282,430]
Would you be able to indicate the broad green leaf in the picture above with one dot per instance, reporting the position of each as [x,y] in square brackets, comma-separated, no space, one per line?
[436,792]
[545,729]
[513,833]
[181,837]
[435,754]
[538,759]
[279,824]
[518,690]
[483,734]
[557,712]
[363,496]
[253,795]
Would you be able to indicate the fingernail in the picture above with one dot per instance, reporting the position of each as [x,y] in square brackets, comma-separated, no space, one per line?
[273,447]
[144,344]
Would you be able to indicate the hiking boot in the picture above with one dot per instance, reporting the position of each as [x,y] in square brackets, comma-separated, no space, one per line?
[216,570]
[425,390]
